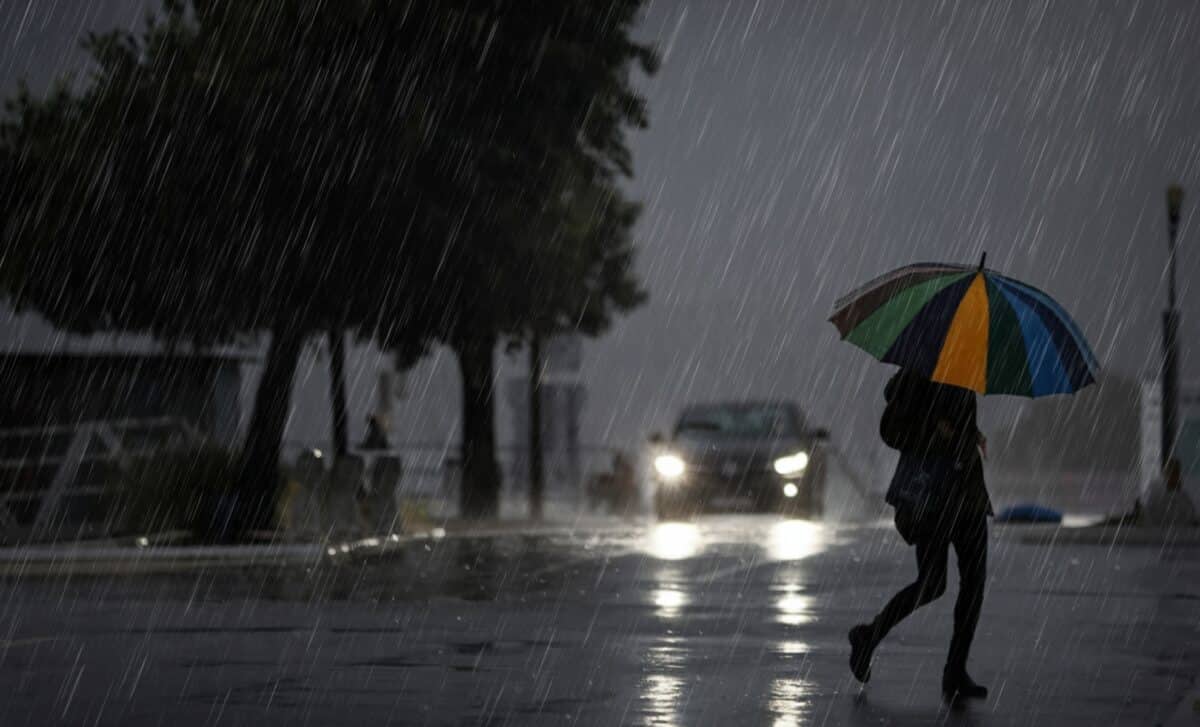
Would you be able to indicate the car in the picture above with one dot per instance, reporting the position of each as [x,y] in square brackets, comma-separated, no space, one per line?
[739,456]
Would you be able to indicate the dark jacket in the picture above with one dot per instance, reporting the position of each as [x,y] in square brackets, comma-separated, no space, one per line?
[934,428]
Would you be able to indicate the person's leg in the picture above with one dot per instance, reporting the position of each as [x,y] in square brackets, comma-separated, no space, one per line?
[932,555]
[970,548]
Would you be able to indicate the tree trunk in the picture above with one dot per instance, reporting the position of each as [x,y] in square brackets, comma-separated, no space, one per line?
[536,470]
[258,481]
[479,491]
[337,390]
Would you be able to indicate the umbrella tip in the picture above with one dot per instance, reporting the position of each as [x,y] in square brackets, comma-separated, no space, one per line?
[982,260]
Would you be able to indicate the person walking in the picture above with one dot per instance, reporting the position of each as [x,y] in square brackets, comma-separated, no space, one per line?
[376,435]
[940,500]
[973,330]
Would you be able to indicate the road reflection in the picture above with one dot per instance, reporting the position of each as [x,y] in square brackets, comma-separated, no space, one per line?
[796,539]
[790,702]
[663,693]
[670,654]
[795,608]
[791,541]
[670,602]
[671,590]
[674,541]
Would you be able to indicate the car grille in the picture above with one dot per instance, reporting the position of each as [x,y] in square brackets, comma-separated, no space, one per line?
[731,466]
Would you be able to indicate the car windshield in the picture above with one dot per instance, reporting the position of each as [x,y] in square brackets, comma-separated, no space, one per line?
[735,420]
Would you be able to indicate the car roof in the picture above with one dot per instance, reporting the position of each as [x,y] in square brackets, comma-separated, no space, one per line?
[740,403]
[800,418]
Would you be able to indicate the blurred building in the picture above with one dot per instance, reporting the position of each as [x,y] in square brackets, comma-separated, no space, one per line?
[52,378]
[562,398]
[1188,447]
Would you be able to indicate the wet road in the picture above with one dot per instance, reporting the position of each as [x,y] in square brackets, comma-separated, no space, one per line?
[727,621]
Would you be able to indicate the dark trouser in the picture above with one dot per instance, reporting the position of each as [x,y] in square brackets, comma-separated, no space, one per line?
[965,527]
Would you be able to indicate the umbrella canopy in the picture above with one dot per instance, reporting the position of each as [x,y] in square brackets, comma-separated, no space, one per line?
[968,327]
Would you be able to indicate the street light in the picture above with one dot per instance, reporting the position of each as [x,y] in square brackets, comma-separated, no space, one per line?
[1170,372]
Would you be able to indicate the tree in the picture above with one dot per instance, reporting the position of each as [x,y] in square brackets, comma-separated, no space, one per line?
[337,390]
[229,171]
[531,226]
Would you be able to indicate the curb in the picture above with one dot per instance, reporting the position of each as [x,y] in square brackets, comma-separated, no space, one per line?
[146,558]
[117,560]
[1113,535]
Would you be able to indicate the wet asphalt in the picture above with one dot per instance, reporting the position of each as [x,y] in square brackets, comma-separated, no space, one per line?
[723,621]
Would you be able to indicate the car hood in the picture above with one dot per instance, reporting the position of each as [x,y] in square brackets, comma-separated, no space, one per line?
[713,452]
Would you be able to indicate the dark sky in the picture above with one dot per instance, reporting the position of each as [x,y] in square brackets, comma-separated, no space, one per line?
[797,148]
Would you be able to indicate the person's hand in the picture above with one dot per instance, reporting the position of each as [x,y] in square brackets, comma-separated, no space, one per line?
[982,445]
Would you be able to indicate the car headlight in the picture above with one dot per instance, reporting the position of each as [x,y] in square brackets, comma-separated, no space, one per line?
[792,464]
[669,466]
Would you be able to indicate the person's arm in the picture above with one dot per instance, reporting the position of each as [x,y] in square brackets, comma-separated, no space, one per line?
[980,438]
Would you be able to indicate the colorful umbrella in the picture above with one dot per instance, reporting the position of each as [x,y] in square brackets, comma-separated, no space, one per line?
[968,327]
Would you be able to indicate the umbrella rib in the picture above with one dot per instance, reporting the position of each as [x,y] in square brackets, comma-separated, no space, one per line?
[1069,323]
[847,300]
[1058,381]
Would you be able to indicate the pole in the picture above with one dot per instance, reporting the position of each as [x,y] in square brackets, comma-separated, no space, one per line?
[536,473]
[1170,385]
[1170,370]
[337,390]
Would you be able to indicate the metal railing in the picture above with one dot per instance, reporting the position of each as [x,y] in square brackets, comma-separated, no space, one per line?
[54,480]
[431,471]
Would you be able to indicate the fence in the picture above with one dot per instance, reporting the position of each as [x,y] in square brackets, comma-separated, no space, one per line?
[54,480]
[431,474]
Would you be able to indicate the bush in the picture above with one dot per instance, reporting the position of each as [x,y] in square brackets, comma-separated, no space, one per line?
[178,490]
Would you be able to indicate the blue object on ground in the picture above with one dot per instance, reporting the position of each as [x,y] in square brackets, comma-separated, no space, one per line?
[1028,512]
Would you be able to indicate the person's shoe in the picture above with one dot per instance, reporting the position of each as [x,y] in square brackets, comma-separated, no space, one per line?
[861,648]
[959,685]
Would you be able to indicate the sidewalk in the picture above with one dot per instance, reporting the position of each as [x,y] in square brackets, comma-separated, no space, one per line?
[72,559]
[142,556]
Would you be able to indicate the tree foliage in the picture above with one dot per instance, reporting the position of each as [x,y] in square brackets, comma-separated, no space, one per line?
[533,230]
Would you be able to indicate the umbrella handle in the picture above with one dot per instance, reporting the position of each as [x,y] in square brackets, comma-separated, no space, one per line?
[982,260]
